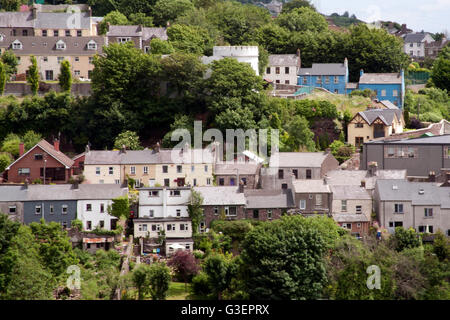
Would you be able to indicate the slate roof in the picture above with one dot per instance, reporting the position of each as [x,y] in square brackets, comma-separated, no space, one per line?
[310,186]
[68,192]
[284,60]
[102,157]
[415,37]
[350,192]
[16,20]
[354,177]
[352,85]
[12,193]
[62,20]
[217,196]
[443,140]
[269,199]
[385,115]
[343,217]
[389,105]
[326,69]
[235,168]
[47,45]
[139,157]
[298,159]
[168,156]
[137,31]
[380,78]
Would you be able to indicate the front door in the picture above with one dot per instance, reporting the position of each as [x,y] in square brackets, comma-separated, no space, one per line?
[359,141]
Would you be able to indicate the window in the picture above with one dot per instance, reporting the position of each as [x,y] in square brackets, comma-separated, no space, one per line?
[359,125]
[195,182]
[221,181]
[395,224]
[38,156]
[165,169]
[277,70]
[286,81]
[24,33]
[44,33]
[153,193]
[327,80]
[318,200]
[156,227]
[336,79]
[102,224]
[60,45]
[216,211]
[268,70]
[244,180]
[426,229]
[88,225]
[77,59]
[302,204]
[102,207]
[78,33]
[132,170]
[428,212]
[123,39]
[117,181]
[14,32]
[60,59]
[395,93]
[91,60]
[24,171]
[208,181]
[308,174]
[67,33]
[97,171]
[178,212]
[179,169]
[319,79]
[145,170]
[166,182]
[17,45]
[284,186]
[45,59]
[184,227]
[359,141]
[151,182]
[64,224]
[398,208]
[269,214]
[12,210]
[55,33]
[255,214]
[343,205]
[232,211]
[143,227]
[383,93]
[206,168]
[64,209]
[280,174]
[401,152]
[52,209]
[37,210]
[358,209]
[92,45]
[336,91]
[88,207]
[49,75]
[151,213]
[286,70]
[171,227]
[347,226]
[175,193]
[77,72]
[305,80]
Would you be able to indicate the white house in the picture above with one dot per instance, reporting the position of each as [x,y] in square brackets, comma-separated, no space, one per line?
[247,54]
[283,68]
[415,44]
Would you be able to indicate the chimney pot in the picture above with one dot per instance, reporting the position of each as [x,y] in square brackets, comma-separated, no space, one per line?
[56,144]
[21,149]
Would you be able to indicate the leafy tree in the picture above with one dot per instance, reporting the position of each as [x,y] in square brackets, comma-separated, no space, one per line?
[33,75]
[300,136]
[12,5]
[220,270]
[65,76]
[181,121]
[294,4]
[405,239]
[341,151]
[159,280]
[189,39]
[195,210]
[130,7]
[11,144]
[11,62]
[140,18]
[129,139]
[273,37]
[2,77]
[235,119]
[140,279]
[441,246]
[169,10]
[5,161]
[441,70]
[30,139]
[302,19]
[115,18]
[120,207]
[158,46]
[184,264]
[8,229]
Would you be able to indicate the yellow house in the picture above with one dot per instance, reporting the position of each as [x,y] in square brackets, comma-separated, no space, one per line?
[375,123]
[103,167]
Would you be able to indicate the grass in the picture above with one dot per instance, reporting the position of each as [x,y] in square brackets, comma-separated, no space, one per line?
[177,291]
[342,102]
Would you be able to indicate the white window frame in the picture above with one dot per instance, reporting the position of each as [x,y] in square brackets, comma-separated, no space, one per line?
[66,207]
[302,204]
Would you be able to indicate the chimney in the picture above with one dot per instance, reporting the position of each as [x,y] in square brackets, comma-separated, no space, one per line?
[299,58]
[346,63]
[34,12]
[56,144]
[361,72]
[404,29]
[89,10]
[373,166]
[241,186]
[88,149]
[21,149]
[363,183]
[432,176]
[123,149]
[157,147]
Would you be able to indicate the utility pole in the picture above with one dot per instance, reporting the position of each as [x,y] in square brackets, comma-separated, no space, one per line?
[45,166]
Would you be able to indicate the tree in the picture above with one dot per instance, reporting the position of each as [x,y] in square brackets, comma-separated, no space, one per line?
[284,259]
[300,136]
[33,75]
[115,18]
[11,62]
[294,4]
[158,46]
[189,39]
[12,5]
[220,270]
[129,139]
[184,264]
[168,10]
[140,18]
[65,77]
[30,139]
[159,280]
[140,279]
[5,161]
[302,19]
[235,119]
[11,144]
[405,239]
[2,77]
[195,210]
[441,246]
[120,207]
[441,70]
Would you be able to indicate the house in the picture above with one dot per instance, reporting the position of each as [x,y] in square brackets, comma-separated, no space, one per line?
[266,205]
[51,51]
[352,208]
[432,49]
[103,166]
[283,68]
[419,156]
[374,123]
[422,206]
[139,35]
[312,197]
[434,129]
[139,165]
[219,202]
[284,166]
[230,174]
[330,76]
[274,7]
[415,44]
[11,201]
[30,165]
[246,54]
[387,86]
[164,209]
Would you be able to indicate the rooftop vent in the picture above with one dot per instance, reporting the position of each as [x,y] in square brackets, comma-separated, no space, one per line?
[421,191]
[394,187]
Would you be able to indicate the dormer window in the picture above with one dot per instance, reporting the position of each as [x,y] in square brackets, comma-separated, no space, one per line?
[17,45]
[92,45]
[60,45]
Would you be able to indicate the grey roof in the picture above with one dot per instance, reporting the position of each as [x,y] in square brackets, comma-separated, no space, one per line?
[47,45]
[168,156]
[12,193]
[311,186]
[139,157]
[350,192]
[443,140]
[298,159]
[102,157]
[16,20]
[235,168]
[343,217]
[354,177]
[149,33]
[137,31]
[269,199]
[216,196]
[326,69]
[284,60]
[68,192]
[62,20]
[415,37]
[404,190]
[389,105]
[385,115]
[380,78]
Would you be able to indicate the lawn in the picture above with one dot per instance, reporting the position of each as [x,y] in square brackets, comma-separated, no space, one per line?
[342,102]
[177,292]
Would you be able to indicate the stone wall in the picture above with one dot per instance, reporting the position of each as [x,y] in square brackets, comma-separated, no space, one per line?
[22,88]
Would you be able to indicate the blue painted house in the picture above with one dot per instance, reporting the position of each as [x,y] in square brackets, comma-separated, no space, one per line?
[387,86]
[330,76]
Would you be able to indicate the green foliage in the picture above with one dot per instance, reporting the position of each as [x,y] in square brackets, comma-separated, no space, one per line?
[168,10]
[113,18]
[341,151]
[405,239]
[300,137]
[140,18]
[189,39]
[12,5]
[200,285]
[195,210]
[368,93]
[441,70]
[5,160]
[441,246]
[65,76]
[434,104]
[77,224]
[11,144]
[140,277]
[33,75]
[30,139]
[2,77]
[302,19]
[235,119]
[120,207]
[220,270]
[158,46]
[294,4]
[129,139]
[234,229]
[159,280]
[10,61]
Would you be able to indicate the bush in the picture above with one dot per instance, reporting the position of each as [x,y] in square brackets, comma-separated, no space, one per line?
[200,285]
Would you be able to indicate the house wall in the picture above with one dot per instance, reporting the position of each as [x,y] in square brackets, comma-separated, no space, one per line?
[104,176]
[330,163]
[29,214]
[210,216]
[199,174]
[163,226]
[312,81]
[282,77]
[250,178]
[351,206]
[311,203]
[136,40]
[418,49]
[95,216]
[147,179]
[35,167]
[62,32]
[361,228]
[263,214]
[395,99]
[18,216]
